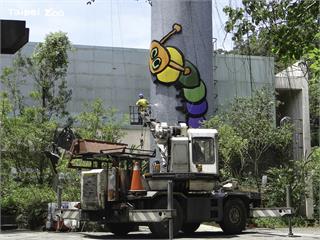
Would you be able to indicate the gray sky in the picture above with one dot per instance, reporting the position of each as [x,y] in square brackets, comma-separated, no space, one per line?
[115,23]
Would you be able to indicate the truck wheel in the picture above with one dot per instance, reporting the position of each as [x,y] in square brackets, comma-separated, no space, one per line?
[120,229]
[234,216]
[161,229]
[189,228]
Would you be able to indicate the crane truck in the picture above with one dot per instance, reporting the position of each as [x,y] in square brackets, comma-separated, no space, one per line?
[186,156]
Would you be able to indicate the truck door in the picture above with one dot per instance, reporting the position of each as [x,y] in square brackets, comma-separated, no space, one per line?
[203,151]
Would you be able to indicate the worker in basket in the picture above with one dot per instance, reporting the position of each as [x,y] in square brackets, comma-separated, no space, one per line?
[143,105]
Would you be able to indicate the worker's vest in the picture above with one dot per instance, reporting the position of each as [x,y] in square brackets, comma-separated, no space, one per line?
[142,104]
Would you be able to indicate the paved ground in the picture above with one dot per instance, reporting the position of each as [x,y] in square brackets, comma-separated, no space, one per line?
[204,232]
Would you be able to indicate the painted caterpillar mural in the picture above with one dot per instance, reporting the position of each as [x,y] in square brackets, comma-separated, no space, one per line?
[169,67]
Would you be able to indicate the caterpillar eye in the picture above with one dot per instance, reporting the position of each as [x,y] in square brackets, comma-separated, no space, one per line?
[156,63]
[154,53]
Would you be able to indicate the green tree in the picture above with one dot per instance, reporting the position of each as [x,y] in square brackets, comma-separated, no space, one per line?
[97,122]
[286,29]
[295,174]
[282,28]
[48,67]
[27,131]
[313,59]
[232,148]
[12,78]
[248,134]
[24,139]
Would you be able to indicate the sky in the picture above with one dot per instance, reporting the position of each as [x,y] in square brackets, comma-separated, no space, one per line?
[113,23]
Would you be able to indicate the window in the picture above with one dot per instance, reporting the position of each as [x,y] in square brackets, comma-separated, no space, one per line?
[203,150]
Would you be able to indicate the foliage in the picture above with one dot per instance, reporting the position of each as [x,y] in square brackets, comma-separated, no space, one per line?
[28,202]
[24,139]
[280,222]
[48,67]
[49,64]
[96,122]
[12,78]
[27,131]
[231,147]
[287,30]
[296,174]
[314,168]
[283,28]
[248,134]
[69,180]
[279,177]
[313,59]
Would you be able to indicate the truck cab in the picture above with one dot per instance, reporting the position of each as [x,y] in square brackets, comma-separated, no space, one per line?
[195,153]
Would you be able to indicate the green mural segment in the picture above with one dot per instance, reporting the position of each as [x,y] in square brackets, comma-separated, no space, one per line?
[192,80]
[195,94]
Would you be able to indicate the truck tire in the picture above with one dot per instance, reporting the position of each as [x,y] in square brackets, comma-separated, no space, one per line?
[190,228]
[234,216]
[161,229]
[120,229]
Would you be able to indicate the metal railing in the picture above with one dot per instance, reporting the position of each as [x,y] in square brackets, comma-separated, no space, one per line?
[134,115]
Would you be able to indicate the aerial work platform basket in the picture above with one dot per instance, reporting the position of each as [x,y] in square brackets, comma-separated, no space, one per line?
[135,118]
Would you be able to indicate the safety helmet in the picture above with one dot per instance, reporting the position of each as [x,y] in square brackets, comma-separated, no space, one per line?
[140,95]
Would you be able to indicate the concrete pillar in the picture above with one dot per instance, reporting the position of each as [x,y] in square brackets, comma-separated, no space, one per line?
[194,42]
[292,83]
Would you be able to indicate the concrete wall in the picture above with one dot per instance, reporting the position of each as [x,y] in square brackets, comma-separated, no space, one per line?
[118,75]
[239,76]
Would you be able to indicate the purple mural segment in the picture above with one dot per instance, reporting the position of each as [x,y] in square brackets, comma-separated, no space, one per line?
[195,122]
[197,109]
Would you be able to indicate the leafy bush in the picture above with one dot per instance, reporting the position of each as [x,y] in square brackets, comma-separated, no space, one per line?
[98,122]
[281,222]
[70,182]
[314,169]
[29,203]
[248,134]
[296,174]
[26,130]
[279,178]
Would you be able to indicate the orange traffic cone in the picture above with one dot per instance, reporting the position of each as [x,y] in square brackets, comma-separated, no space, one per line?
[136,184]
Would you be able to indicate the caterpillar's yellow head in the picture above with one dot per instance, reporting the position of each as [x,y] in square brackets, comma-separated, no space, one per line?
[166,63]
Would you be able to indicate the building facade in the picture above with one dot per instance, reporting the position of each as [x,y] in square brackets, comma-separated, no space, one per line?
[118,75]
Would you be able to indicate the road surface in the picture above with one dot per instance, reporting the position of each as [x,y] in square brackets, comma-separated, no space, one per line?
[204,232]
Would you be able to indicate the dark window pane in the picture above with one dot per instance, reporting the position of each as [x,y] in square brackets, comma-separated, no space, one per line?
[203,150]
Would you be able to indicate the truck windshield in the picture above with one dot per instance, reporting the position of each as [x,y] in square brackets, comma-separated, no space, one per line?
[203,150]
